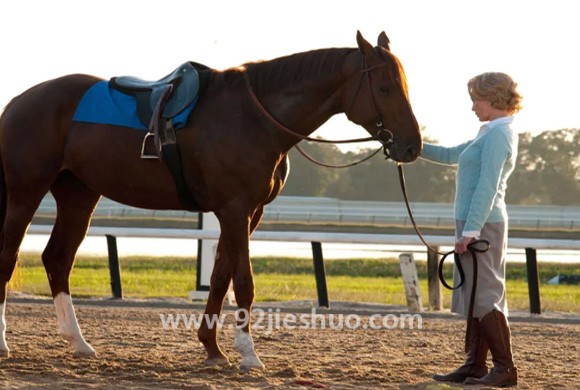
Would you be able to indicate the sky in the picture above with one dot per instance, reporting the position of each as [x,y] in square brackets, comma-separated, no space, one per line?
[441,44]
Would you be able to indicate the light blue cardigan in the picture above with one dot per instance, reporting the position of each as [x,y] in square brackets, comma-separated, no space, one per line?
[484,165]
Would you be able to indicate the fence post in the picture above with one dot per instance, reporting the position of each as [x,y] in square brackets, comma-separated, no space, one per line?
[533,281]
[114,267]
[411,282]
[433,280]
[320,274]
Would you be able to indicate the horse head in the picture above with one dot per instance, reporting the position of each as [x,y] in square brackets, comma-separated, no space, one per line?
[379,100]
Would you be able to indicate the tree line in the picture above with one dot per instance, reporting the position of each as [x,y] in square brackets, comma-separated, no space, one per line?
[547,172]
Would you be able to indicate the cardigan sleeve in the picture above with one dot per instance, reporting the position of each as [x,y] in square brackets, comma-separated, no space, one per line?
[495,151]
[442,154]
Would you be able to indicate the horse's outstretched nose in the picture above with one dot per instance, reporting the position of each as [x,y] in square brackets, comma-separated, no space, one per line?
[413,152]
[407,153]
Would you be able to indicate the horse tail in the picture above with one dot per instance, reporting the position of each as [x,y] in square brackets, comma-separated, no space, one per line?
[3,201]
[3,206]
[3,188]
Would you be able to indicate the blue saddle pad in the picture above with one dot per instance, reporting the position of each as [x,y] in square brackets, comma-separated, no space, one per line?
[105,105]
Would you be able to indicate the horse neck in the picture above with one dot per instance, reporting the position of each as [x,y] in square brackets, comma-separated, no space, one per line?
[302,91]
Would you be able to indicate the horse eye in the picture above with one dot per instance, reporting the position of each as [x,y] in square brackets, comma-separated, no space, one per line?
[384,90]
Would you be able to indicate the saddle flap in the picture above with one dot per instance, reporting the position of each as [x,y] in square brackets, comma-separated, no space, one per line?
[185,90]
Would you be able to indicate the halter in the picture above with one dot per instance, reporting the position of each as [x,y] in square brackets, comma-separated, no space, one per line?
[383,135]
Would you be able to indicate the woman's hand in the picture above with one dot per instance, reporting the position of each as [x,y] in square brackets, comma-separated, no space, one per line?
[461,244]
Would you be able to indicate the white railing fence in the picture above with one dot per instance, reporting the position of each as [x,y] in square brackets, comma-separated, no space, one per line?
[317,239]
[119,220]
[329,211]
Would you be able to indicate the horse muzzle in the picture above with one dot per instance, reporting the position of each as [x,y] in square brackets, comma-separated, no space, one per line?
[399,151]
[403,152]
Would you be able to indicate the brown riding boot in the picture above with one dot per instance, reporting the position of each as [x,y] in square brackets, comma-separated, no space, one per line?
[474,365]
[495,329]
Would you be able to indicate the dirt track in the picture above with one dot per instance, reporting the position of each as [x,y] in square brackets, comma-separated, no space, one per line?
[135,352]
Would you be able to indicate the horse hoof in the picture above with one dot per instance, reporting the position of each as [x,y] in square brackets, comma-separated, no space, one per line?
[253,363]
[4,353]
[85,353]
[217,361]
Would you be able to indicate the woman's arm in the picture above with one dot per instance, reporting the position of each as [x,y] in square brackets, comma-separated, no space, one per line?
[442,154]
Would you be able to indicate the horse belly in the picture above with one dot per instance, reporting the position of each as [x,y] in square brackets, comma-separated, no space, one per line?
[108,160]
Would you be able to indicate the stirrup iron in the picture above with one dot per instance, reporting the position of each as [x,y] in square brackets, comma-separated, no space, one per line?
[144,155]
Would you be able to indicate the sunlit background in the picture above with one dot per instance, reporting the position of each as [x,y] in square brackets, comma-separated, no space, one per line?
[440,43]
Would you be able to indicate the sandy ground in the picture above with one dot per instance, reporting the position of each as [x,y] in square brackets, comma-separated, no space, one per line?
[135,352]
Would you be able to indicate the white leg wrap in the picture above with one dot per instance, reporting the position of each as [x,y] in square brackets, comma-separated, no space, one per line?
[69,327]
[4,351]
[245,346]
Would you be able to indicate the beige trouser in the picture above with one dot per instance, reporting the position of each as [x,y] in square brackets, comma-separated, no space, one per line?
[490,292]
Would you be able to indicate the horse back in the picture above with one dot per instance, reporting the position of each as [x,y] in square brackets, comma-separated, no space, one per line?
[35,124]
[49,105]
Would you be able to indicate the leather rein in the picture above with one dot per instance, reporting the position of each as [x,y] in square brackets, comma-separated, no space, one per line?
[383,135]
[474,247]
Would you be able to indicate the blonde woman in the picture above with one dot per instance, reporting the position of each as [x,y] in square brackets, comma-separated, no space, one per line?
[483,167]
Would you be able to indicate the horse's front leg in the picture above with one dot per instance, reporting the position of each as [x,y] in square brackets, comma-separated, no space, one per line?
[236,234]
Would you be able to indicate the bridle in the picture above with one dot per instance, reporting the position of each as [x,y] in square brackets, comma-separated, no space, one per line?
[383,135]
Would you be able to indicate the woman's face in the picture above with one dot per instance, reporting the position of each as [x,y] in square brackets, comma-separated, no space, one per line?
[483,110]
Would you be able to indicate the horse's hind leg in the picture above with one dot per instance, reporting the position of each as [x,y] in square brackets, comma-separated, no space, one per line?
[207,333]
[19,210]
[75,205]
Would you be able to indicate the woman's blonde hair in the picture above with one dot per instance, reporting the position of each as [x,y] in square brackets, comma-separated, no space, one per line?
[498,89]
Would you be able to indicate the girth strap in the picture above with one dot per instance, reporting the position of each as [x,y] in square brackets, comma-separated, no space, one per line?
[167,150]
[172,158]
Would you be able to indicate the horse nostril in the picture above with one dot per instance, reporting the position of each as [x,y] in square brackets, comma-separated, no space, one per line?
[413,152]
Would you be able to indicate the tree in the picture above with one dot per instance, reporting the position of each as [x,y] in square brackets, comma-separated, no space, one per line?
[548,169]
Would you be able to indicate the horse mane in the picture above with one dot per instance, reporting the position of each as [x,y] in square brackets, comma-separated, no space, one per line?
[296,69]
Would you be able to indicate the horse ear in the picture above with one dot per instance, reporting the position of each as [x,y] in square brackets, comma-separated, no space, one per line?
[384,41]
[365,47]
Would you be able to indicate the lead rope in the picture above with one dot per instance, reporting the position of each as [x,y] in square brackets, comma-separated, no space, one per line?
[472,247]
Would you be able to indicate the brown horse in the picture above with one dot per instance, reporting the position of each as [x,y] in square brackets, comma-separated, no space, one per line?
[234,156]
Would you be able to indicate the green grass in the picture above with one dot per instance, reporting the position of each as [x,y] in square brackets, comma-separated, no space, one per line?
[364,280]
